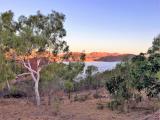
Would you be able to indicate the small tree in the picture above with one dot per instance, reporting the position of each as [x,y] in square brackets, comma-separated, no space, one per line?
[89,72]
[69,87]
[52,79]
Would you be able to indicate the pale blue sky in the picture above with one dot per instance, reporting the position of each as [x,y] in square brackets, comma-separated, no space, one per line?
[126,26]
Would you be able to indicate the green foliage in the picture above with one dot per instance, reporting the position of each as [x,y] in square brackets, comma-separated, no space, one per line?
[90,70]
[34,32]
[158,75]
[51,79]
[73,69]
[119,88]
[155,46]
[52,70]
[6,72]
[56,105]
[16,67]
[113,105]
[68,86]
[141,73]
[89,75]
[57,76]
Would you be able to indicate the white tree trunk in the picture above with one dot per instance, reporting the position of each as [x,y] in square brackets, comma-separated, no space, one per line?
[8,85]
[37,88]
[36,77]
[37,93]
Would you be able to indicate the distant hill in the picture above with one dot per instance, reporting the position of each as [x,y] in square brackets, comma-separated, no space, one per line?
[105,56]
[75,56]
[112,58]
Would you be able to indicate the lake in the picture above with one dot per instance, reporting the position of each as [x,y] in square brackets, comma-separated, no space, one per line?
[102,66]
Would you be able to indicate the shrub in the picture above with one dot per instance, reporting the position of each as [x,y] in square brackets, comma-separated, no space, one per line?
[81,98]
[113,104]
[15,93]
[69,87]
[56,105]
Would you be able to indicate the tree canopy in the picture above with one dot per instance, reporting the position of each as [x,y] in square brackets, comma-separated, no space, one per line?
[38,31]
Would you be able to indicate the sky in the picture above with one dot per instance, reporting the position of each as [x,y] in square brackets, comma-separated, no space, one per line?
[124,26]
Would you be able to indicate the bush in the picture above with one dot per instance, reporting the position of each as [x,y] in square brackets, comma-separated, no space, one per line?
[81,98]
[113,105]
[15,93]
[69,87]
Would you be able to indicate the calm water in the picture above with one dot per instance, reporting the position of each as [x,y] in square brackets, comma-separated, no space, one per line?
[102,66]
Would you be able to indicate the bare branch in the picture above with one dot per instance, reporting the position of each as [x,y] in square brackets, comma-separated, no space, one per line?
[38,62]
[29,66]
[23,74]
[32,72]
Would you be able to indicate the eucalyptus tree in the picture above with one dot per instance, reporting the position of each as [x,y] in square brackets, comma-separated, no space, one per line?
[36,32]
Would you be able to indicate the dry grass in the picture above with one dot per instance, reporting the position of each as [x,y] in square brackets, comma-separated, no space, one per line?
[20,109]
